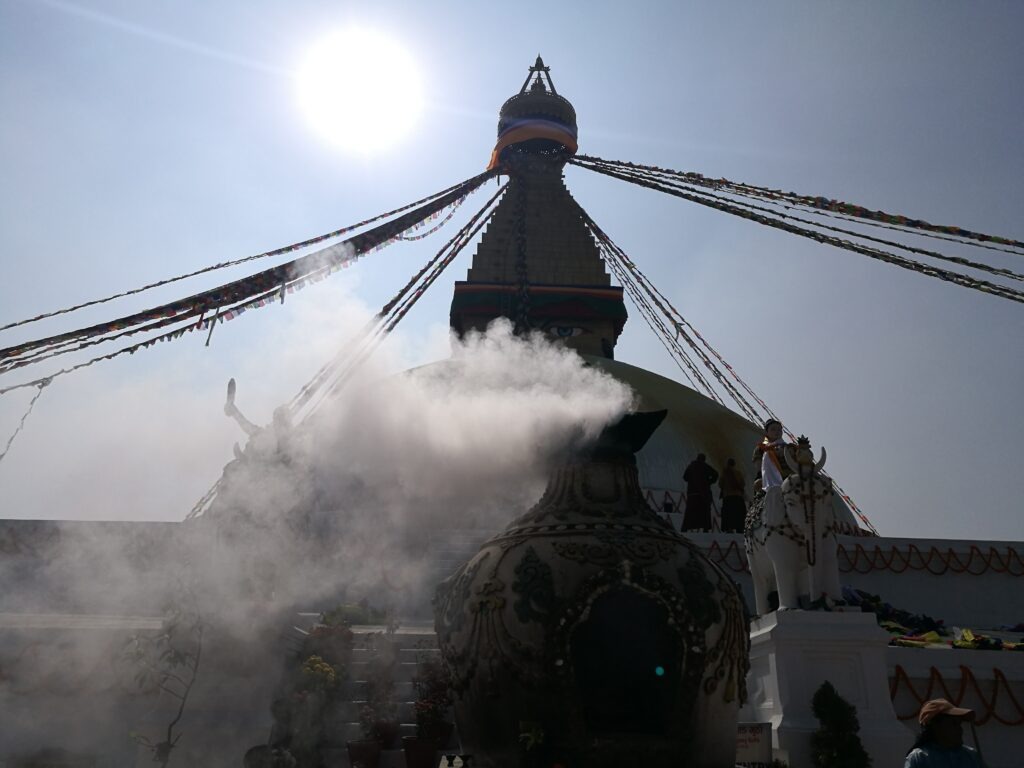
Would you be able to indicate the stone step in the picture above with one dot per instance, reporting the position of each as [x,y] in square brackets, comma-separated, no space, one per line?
[338,732]
[337,757]
[348,711]
[402,672]
[420,637]
[355,690]
[403,655]
[341,731]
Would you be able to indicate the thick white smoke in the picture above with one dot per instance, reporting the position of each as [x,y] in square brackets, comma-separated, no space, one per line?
[357,500]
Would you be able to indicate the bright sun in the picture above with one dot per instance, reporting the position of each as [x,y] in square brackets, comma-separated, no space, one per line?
[360,90]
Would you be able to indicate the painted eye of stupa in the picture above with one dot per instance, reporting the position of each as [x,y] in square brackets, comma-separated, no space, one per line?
[566,331]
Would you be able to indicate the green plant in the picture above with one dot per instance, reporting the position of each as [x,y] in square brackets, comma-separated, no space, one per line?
[318,675]
[531,734]
[433,695]
[836,744]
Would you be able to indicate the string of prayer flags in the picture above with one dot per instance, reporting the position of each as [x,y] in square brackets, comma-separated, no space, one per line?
[318,264]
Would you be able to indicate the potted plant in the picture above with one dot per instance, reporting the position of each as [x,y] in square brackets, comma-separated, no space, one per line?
[314,685]
[332,642]
[378,716]
[433,700]
[365,752]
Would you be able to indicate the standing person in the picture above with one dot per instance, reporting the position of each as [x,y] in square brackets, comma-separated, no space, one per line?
[732,489]
[941,741]
[769,467]
[699,477]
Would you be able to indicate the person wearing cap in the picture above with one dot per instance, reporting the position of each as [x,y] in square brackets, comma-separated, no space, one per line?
[941,741]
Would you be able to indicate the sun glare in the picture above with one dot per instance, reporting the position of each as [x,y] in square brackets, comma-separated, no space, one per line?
[360,90]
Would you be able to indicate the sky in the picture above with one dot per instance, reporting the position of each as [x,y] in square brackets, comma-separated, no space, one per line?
[144,140]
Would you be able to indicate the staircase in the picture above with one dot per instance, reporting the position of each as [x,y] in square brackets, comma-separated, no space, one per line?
[414,643]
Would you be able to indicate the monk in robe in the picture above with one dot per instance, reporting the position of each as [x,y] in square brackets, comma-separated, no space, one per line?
[732,489]
[700,477]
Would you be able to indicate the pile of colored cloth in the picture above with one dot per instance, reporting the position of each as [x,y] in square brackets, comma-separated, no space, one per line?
[975,641]
[894,619]
[911,630]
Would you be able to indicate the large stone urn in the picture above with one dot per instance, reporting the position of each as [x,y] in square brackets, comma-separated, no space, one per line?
[590,633]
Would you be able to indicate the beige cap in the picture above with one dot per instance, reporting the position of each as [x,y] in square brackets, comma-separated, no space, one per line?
[932,709]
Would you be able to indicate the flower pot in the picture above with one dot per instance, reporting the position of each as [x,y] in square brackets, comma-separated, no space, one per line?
[442,732]
[386,732]
[420,752]
[363,754]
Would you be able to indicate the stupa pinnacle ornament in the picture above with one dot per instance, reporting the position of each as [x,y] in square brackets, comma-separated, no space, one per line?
[536,120]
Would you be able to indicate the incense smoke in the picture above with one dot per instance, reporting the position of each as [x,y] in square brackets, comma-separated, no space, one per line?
[362,493]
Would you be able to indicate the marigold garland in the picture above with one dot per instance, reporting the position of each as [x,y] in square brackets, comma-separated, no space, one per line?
[857,558]
[936,683]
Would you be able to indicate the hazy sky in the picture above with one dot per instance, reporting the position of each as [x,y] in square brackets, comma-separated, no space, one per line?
[142,140]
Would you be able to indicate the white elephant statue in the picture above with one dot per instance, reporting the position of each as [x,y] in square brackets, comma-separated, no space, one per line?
[790,536]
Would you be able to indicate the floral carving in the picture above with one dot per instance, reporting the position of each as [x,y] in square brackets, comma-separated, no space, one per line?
[535,587]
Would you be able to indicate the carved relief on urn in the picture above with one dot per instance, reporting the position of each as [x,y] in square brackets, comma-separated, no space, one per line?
[591,633]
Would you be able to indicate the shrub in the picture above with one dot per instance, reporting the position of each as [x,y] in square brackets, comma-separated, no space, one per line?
[836,744]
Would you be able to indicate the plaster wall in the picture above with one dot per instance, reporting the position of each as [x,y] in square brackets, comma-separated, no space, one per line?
[975,584]
[989,682]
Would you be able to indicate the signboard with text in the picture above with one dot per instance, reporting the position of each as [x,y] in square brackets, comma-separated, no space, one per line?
[754,745]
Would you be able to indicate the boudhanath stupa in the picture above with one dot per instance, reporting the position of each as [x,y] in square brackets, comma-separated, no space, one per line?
[66,699]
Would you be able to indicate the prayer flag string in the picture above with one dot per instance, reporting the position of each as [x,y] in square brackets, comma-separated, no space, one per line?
[21,424]
[956,278]
[243,294]
[1000,271]
[347,361]
[820,203]
[235,262]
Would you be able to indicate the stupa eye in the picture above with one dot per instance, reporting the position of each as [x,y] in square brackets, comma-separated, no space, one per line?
[566,331]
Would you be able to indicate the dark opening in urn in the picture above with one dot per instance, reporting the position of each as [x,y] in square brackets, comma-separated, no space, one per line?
[626,664]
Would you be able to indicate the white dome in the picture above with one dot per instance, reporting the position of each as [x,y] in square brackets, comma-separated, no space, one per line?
[695,424]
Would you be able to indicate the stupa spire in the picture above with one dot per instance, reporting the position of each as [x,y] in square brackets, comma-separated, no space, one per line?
[537,264]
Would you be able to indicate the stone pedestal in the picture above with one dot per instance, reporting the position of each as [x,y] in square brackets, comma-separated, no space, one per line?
[793,652]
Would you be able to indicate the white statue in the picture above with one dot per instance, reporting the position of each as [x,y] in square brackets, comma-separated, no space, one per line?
[790,535]
[266,443]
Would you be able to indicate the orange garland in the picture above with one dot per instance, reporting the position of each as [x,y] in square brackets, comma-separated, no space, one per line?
[935,681]
[898,562]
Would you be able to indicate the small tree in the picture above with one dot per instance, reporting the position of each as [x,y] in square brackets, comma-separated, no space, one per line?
[836,743]
[169,661]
